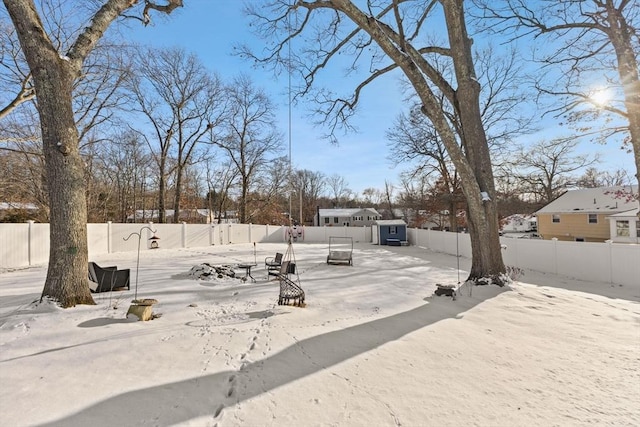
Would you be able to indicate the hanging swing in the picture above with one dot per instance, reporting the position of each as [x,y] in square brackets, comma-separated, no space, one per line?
[290,290]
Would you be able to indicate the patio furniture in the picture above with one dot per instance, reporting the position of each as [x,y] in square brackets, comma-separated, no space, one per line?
[247,272]
[272,264]
[340,250]
[107,279]
[290,291]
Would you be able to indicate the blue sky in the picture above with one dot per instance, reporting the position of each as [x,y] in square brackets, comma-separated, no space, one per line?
[210,28]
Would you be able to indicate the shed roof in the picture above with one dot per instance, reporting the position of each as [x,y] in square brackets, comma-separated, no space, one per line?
[626,214]
[390,222]
[605,200]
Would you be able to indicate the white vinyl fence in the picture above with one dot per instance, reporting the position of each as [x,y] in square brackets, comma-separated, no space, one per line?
[615,263]
[22,245]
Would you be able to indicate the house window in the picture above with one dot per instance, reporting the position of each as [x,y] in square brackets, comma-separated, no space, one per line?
[393,229]
[555,218]
[326,220]
[593,218]
[622,228]
[335,219]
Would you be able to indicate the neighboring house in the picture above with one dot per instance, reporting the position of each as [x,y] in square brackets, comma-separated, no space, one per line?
[191,216]
[356,217]
[582,215]
[624,227]
[518,223]
[433,221]
[412,217]
[389,232]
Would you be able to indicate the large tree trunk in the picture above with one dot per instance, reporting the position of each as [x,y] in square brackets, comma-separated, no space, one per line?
[162,188]
[67,279]
[629,77]
[53,75]
[483,216]
[243,200]
[177,196]
[474,164]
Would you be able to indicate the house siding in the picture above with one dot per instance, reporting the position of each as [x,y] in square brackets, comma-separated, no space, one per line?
[352,220]
[385,233]
[572,226]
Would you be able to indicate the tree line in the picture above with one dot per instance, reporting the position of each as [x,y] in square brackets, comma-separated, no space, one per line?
[161,132]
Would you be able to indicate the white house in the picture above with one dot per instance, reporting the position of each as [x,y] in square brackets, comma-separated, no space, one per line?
[518,223]
[355,217]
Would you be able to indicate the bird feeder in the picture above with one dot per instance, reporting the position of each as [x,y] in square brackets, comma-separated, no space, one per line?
[153,242]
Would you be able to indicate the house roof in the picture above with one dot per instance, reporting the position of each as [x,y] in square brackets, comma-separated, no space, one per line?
[604,200]
[626,214]
[523,217]
[346,212]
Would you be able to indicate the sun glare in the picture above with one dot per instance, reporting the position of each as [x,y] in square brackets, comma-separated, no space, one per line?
[600,96]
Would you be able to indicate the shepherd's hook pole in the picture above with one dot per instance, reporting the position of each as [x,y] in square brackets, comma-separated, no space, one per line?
[139,234]
[458,256]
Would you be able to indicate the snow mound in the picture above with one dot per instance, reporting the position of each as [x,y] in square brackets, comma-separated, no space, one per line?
[206,271]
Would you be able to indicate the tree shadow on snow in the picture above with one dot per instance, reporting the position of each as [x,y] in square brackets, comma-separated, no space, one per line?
[181,401]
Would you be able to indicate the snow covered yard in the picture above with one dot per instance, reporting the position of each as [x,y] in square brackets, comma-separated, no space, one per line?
[373,347]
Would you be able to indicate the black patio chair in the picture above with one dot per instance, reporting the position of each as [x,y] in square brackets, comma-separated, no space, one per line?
[108,279]
[273,264]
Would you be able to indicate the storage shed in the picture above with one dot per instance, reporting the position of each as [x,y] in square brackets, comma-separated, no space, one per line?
[389,232]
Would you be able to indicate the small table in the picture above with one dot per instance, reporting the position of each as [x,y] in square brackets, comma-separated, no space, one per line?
[247,271]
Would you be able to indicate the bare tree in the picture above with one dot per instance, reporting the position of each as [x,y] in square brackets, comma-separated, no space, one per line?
[272,193]
[415,141]
[182,102]
[387,33]
[339,189]
[98,96]
[593,178]
[119,174]
[54,72]
[307,186]
[547,170]
[389,197]
[15,76]
[219,180]
[248,134]
[591,40]
[372,196]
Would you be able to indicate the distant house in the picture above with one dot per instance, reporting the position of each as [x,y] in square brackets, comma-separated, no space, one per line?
[191,216]
[583,215]
[16,211]
[356,217]
[519,223]
[389,232]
